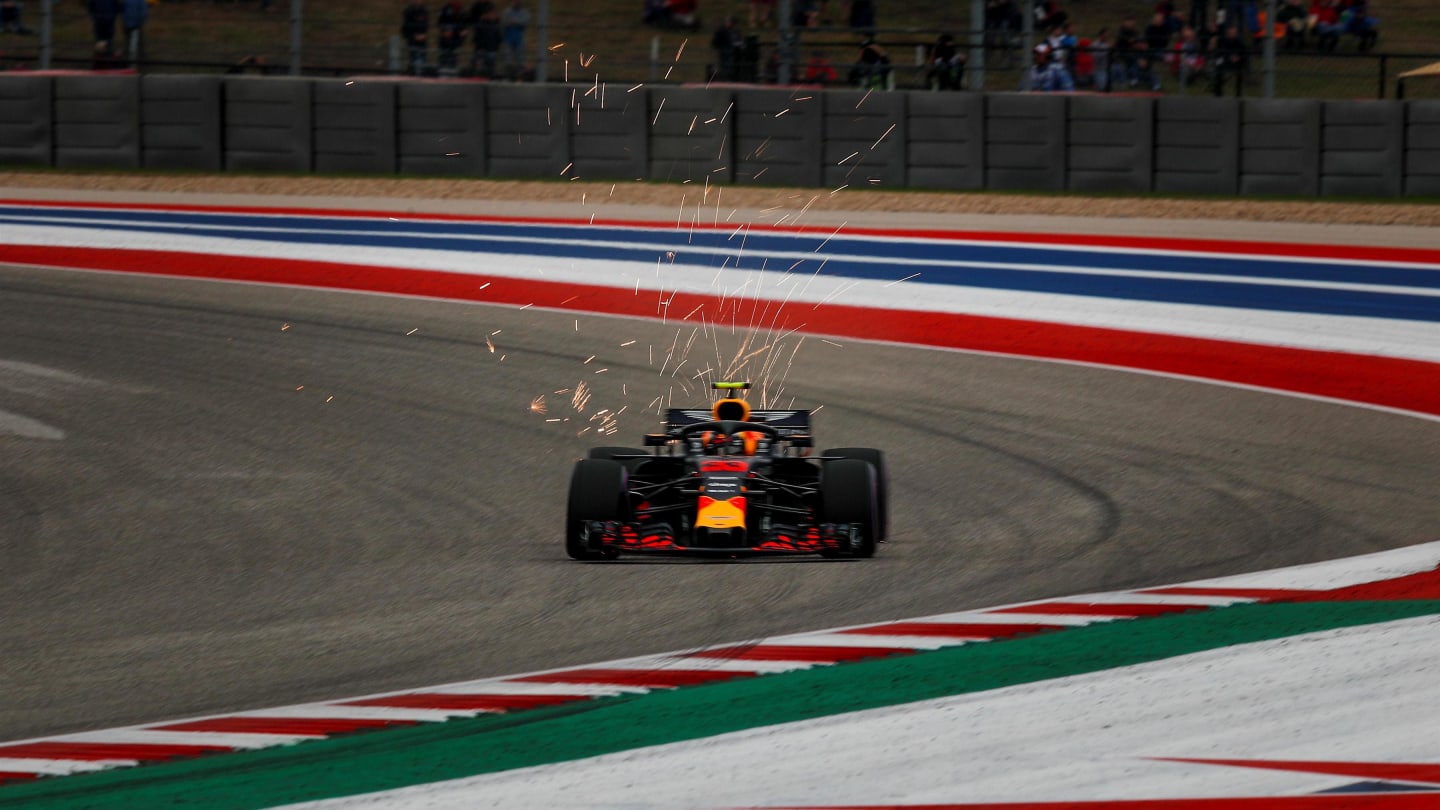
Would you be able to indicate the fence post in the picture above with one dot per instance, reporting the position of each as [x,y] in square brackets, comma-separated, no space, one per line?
[976,68]
[297,21]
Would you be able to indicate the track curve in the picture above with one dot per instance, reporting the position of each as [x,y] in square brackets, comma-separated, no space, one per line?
[256,496]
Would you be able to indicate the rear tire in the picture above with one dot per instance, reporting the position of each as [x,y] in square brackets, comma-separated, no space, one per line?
[848,494]
[611,452]
[599,490]
[882,482]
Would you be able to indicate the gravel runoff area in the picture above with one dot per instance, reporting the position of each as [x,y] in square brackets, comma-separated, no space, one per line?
[1397,223]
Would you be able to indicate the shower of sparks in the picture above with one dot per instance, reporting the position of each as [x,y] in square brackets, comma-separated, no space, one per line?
[566,170]
[862,98]
[847,157]
[601,370]
[658,108]
[285,327]
[681,49]
[483,286]
[637,87]
[489,344]
[898,280]
[628,343]
[299,388]
[581,397]
[883,136]
[587,360]
[412,331]
[557,46]
[329,399]
[832,343]
[537,405]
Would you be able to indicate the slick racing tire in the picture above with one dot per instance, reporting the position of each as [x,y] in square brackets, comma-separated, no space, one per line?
[849,494]
[599,490]
[882,482]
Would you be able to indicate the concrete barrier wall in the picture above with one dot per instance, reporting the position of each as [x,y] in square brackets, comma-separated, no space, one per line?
[180,123]
[864,138]
[1280,146]
[691,135]
[268,125]
[1025,142]
[608,131]
[27,123]
[440,129]
[354,126]
[1422,149]
[1197,146]
[96,122]
[946,141]
[723,135]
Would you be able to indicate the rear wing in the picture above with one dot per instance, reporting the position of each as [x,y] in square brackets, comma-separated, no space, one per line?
[791,425]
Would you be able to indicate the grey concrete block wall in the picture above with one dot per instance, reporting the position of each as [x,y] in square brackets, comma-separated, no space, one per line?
[946,141]
[779,137]
[1025,141]
[1110,143]
[608,133]
[691,134]
[865,139]
[267,124]
[528,130]
[1197,145]
[1422,148]
[1280,146]
[26,122]
[440,129]
[97,122]
[1362,146]
[180,122]
[354,126]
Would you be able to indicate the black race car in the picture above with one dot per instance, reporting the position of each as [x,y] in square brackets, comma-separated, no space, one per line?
[728,481]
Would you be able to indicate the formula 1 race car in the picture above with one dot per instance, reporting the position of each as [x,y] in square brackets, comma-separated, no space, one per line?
[728,481]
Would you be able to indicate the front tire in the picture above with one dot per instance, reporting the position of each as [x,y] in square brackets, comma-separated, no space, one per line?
[599,490]
[848,494]
[882,482]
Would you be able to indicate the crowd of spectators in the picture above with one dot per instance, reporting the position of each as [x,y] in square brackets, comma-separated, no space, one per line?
[1211,43]
[497,36]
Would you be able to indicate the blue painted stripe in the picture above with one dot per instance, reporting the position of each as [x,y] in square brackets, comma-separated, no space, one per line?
[1063,277]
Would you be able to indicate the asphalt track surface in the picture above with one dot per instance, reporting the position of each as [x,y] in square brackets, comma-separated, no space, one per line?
[216,497]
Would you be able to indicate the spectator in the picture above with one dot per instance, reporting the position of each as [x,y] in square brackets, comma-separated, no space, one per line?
[862,17]
[1295,20]
[805,13]
[1084,73]
[762,12]
[1002,22]
[1107,68]
[1229,58]
[450,35]
[820,70]
[1157,35]
[1046,75]
[1127,46]
[135,13]
[415,29]
[1048,15]
[947,64]
[103,14]
[872,66]
[1191,52]
[487,39]
[1326,23]
[1357,21]
[728,42]
[513,22]
[683,13]
[10,22]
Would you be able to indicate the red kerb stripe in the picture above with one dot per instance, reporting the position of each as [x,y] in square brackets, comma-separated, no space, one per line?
[658,678]
[789,652]
[1263,594]
[953,629]
[1101,609]
[145,752]
[305,726]
[464,702]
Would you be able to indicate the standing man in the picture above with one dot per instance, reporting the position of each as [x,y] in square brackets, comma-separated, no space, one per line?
[512,32]
[136,12]
[103,14]
[415,28]
[727,42]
